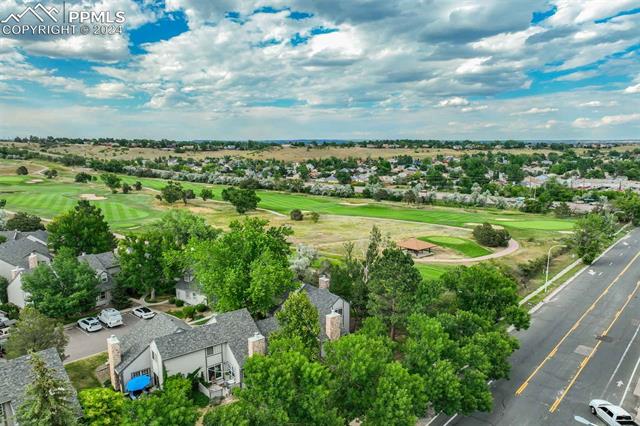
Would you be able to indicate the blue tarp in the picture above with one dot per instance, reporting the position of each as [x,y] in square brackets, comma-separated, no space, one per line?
[138,383]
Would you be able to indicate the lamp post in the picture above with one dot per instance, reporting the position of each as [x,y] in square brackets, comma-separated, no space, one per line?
[546,276]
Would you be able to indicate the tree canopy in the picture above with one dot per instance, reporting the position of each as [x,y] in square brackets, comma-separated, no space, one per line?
[25,222]
[35,332]
[83,229]
[243,200]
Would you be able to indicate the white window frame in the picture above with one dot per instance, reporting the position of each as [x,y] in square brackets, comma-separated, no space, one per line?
[146,371]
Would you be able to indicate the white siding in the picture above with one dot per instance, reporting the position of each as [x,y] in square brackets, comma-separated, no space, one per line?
[344,306]
[228,356]
[156,362]
[15,293]
[190,297]
[140,363]
[186,364]
[5,269]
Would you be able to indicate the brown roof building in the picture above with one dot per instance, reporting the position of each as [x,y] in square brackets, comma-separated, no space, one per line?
[416,247]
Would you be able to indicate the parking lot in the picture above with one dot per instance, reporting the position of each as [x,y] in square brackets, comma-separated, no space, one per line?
[82,344]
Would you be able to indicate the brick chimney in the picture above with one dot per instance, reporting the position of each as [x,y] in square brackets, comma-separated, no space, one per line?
[333,325]
[323,282]
[33,260]
[257,344]
[114,353]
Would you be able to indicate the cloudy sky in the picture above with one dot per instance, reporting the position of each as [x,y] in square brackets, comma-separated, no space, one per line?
[352,69]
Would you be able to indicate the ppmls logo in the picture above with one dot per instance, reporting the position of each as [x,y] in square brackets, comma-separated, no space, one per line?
[40,20]
[33,11]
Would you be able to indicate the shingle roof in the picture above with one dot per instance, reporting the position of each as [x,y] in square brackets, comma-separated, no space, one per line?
[232,328]
[18,235]
[16,252]
[268,325]
[323,300]
[144,332]
[189,286]
[17,374]
[107,262]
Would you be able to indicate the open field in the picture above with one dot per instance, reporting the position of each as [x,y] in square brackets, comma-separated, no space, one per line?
[279,153]
[464,246]
[83,373]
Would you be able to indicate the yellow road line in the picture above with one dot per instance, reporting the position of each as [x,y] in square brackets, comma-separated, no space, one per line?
[593,351]
[524,385]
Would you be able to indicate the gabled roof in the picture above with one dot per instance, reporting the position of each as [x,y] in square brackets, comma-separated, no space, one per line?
[103,262]
[232,328]
[18,235]
[144,332]
[323,300]
[16,252]
[415,244]
[17,374]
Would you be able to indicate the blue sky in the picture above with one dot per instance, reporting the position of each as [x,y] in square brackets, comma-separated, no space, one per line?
[449,69]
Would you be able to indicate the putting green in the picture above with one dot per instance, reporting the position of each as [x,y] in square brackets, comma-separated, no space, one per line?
[463,246]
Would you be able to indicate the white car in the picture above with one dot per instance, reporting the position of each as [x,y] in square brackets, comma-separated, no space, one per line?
[143,312]
[89,324]
[110,317]
[611,414]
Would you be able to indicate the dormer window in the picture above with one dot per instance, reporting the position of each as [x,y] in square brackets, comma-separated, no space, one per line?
[104,277]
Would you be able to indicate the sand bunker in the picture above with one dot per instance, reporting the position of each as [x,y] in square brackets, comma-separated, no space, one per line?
[353,204]
[91,197]
[476,224]
[35,181]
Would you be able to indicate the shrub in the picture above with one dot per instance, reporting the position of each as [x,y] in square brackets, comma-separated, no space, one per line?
[189,311]
[201,307]
[315,216]
[487,235]
[172,300]
[296,214]
[22,170]
[83,177]
[179,303]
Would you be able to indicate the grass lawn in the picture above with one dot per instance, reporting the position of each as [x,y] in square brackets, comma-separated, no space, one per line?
[432,272]
[463,246]
[83,373]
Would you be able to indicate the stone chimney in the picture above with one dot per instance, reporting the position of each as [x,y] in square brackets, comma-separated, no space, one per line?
[333,325]
[15,272]
[33,260]
[323,282]
[114,353]
[257,344]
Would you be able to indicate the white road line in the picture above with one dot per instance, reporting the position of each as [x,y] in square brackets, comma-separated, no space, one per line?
[626,390]
[451,419]
[624,355]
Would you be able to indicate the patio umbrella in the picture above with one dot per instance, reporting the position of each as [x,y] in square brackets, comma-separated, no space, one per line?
[138,383]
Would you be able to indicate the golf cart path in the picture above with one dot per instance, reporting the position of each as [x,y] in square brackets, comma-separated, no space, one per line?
[512,247]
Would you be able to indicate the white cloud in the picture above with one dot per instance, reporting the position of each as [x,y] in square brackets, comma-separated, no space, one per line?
[474,108]
[108,90]
[453,102]
[535,110]
[607,120]
[632,89]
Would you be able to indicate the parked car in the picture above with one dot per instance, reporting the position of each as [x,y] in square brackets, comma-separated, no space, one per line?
[611,414]
[110,317]
[143,312]
[89,324]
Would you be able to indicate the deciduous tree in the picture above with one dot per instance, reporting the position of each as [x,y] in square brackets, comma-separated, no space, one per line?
[102,406]
[112,181]
[35,332]
[298,318]
[83,229]
[243,200]
[25,222]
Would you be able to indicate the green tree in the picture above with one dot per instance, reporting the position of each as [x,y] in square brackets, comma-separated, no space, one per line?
[102,406]
[283,388]
[172,192]
[591,233]
[629,204]
[393,286]
[224,266]
[24,222]
[484,290]
[83,177]
[171,406]
[112,181]
[206,194]
[298,318]
[343,177]
[119,297]
[126,188]
[35,332]
[64,289]
[243,200]
[296,214]
[48,399]
[83,229]
[142,264]
[4,297]
[137,185]
[22,171]
[51,173]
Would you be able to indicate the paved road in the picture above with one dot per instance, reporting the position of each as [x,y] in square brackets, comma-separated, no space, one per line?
[583,344]
[82,344]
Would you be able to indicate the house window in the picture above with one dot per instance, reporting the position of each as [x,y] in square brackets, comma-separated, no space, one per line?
[215,373]
[103,295]
[104,277]
[193,294]
[214,350]
[146,371]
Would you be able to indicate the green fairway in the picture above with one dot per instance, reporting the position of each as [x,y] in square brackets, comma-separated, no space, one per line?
[49,198]
[463,246]
[432,272]
[282,202]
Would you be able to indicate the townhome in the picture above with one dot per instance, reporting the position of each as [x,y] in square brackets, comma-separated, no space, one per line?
[17,374]
[106,267]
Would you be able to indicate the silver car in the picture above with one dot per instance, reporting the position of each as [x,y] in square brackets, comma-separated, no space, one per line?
[611,414]
[89,324]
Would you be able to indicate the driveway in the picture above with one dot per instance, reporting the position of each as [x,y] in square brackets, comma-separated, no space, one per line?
[82,344]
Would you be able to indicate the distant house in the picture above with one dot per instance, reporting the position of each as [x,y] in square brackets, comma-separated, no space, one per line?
[16,375]
[164,345]
[106,267]
[188,290]
[416,247]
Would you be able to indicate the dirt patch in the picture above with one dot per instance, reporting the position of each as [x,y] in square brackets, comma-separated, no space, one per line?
[566,232]
[35,181]
[91,197]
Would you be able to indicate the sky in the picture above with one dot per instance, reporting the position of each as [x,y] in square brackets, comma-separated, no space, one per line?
[330,69]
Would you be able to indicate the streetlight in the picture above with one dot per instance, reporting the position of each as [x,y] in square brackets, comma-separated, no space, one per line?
[546,277]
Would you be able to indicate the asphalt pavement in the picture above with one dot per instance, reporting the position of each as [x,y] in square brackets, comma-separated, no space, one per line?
[583,343]
[83,344]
